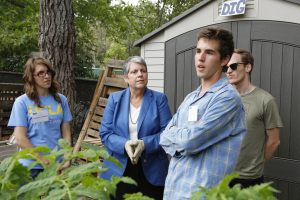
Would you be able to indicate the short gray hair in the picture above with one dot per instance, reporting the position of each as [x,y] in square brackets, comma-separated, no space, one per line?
[128,61]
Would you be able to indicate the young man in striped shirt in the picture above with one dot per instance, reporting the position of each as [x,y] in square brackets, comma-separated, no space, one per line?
[204,137]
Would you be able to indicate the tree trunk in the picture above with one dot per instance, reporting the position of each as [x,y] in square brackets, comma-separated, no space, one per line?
[57,44]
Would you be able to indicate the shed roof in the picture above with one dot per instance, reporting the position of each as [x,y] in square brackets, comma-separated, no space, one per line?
[179,17]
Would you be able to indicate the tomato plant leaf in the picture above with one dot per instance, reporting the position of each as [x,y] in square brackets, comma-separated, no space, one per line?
[105,155]
[82,190]
[56,194]
[9,177]
[93,156]
[75,178]
[88,181]
[196,195]
[63,143]
[32,165]
[7,194]
[86,168]
[36,184]
[110,187]
[223,192]
[136,196]
[18,175]
[42,149]
[50,185]
[128,180]
[50,171]
[4,165]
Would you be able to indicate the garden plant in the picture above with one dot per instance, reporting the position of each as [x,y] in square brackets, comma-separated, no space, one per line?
[223,192]
[76,182]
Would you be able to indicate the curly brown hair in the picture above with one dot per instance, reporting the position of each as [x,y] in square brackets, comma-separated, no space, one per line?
[29,83]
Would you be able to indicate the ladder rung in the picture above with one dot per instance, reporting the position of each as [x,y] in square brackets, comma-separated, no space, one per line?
[115,82]
[102,101]
[99,110]
[97,118]
[113,89]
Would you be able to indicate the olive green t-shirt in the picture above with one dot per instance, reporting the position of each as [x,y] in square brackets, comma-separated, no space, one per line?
[261,114]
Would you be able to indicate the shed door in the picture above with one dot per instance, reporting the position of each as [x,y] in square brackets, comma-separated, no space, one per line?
[276,50]
[188,80]
[277,71]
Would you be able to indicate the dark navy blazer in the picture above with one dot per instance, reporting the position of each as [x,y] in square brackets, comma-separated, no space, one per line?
[154,116]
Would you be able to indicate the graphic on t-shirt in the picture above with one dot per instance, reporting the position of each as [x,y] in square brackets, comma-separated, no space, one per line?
[247,108]
[58,110]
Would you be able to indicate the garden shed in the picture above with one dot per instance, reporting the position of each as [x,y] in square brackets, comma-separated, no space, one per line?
[270,29]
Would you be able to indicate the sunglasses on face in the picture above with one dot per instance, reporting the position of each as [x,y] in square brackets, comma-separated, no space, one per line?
[41,74]
[233,66]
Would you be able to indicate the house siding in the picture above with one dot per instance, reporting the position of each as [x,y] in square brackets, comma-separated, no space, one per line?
[153,53]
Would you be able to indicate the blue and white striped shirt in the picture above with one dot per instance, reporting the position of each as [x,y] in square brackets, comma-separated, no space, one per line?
[203,153]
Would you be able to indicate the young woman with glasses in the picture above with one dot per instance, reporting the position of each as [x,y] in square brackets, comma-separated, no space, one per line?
[41,115]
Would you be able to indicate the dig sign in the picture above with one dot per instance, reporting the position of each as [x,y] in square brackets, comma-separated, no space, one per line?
[234,7]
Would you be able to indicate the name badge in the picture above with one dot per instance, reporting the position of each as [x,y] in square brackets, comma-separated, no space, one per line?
[193,113]
[41,116]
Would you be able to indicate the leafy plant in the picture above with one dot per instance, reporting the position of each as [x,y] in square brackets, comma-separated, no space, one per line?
[74,181]
[223,192]
[136,196]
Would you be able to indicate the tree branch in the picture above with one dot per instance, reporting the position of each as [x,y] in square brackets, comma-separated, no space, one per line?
[134,27]
[108,29]
[16,3]
[4,4]
[137,16]
[162,10]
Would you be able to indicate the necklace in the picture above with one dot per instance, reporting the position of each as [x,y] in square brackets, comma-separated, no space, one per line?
[131,118]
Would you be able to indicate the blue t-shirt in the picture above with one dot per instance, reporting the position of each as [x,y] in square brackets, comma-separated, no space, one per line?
[43,133]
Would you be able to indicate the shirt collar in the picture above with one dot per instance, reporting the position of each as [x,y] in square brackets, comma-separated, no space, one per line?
[217,86]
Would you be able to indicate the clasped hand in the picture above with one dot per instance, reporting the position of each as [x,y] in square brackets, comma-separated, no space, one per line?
[134,150]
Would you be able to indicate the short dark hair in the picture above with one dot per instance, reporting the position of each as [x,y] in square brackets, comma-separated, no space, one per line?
[246,57]
[225,38]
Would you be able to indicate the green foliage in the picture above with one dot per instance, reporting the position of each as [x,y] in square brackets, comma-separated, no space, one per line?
[19,27]
[102,30]
[74,181]
[128,23]
[116,48]
[223,192]
[176,7]
[18,34]
[136,196]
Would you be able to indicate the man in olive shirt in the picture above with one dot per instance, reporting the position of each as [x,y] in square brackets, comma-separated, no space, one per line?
[262,119]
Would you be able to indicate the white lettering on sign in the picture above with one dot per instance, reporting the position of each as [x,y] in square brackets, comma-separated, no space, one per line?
[234,7]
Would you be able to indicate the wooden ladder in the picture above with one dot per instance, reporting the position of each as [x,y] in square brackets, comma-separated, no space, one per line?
[109,83]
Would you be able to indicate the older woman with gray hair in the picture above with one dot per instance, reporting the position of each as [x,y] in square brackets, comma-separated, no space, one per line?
[130,130]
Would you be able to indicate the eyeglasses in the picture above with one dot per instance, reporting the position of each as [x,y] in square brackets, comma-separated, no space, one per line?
[233,66]
[41,74]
